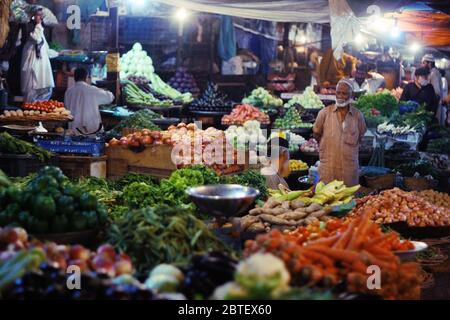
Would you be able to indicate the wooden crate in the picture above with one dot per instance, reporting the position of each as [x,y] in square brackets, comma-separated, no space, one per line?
[154,160]
[75,166]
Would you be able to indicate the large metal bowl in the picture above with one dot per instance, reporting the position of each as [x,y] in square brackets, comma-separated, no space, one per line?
[223,200]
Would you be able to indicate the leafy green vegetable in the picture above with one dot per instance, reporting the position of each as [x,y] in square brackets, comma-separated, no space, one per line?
[440,146]
[139,194]
[162,234]
[382,102]
[133,177]
[141,119]
[250,178]
[422,167]
[419,119]
[9,144]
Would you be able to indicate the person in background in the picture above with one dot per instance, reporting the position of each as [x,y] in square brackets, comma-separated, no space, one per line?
[421,91]
[435,76]
[366,80]
[339,129]
[36,73]
[277,167]
[443,108]
[83,101]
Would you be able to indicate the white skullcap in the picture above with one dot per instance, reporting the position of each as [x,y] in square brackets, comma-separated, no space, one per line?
[347,82]
[428,57]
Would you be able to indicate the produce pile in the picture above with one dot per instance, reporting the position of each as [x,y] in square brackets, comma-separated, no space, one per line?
[161,234]
[297,165]
[207,272]
[291,120]
[44,283]
[286,210]
[11,145]
[421,168]
[439,199]
[184,82]
[39,110]
[190,142]
[104,260]
[377,107]
[329,195]
[393,130]
[399,206]
[243,113]
[317,231]
[249,178]
[263,99]
[248,134]
[441,146]
[140,138]
[310,146]
[142,119]
[45,106]
[51,204]
[212,100]
[283,215]
[440,162]
[136,62]
[295,141]
[343,258]
[134,95]
[307,100]
[144,84]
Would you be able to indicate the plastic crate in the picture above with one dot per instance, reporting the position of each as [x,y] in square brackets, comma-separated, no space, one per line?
[68,145]
[21,165]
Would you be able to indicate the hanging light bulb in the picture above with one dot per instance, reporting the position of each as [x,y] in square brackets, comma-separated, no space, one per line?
[395,32]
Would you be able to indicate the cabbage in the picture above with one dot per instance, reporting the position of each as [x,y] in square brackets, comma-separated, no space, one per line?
[137,47]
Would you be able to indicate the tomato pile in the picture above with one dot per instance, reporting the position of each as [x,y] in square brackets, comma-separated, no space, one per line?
[46,106]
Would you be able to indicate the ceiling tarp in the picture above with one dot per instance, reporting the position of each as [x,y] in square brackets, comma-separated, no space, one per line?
[315,11]
[430,29]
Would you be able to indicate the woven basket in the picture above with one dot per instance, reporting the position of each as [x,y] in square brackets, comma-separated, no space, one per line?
[419,184]
[386,181]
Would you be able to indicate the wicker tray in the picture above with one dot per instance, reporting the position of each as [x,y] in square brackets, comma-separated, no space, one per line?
[46,118]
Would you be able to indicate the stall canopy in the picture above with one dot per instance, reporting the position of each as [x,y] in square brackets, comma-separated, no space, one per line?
[315,11]
[431,29]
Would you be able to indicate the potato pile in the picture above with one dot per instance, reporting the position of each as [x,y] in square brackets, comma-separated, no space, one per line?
[437,198]
[396,205]
[283,215]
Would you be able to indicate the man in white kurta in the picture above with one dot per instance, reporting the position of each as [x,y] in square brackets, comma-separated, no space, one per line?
[83,101]
[36,73]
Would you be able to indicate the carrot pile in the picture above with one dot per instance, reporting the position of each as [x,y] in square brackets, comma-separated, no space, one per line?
[333,227]
[344,255]
[243,113]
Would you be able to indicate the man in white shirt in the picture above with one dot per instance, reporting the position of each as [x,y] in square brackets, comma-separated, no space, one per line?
[370,82]
[428,61]
[83,101]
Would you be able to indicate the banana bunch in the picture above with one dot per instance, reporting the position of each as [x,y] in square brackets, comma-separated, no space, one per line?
[330,195]
[333,194]
[284,194]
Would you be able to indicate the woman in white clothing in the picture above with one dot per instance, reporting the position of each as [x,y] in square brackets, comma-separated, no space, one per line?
[36,74]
